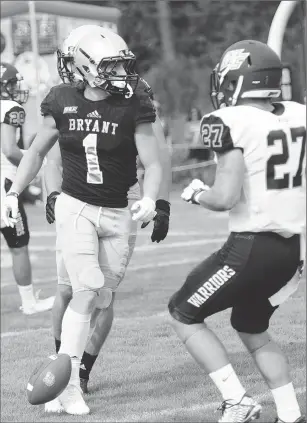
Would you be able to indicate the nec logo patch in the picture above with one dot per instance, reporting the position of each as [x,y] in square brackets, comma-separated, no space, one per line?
[70,109]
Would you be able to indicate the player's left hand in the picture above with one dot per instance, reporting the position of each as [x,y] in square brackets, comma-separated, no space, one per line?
[161,221]
[9,209]
[193,191]
[143,210]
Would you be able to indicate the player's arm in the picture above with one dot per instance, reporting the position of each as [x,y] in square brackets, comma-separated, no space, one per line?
[227,187]
[33,158]
[53,170]
[165,160]
[148,151]
[8,144]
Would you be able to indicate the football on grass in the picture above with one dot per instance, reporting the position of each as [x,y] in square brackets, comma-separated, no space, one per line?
[49,379]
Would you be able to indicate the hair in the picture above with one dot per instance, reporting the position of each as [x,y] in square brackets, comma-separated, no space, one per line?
[199,114]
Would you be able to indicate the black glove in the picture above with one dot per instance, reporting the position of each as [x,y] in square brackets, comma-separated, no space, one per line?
[161,221]
[51,199]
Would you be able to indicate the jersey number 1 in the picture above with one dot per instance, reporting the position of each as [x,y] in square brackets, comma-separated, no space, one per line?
[94,174]
[292,176]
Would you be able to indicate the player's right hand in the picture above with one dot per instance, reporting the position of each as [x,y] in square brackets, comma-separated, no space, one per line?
[50,205]
[144,210]
[9,209]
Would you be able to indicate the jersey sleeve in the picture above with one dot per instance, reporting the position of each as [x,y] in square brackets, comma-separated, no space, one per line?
[217,135]
[49,106]
[145,110]
[12,113]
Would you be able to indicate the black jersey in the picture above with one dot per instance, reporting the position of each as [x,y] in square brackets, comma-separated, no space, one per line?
[97,142]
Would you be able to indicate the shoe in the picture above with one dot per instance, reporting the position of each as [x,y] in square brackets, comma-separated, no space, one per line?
[72,401]
[54,406]
[39,305]
[244,411]
[301,419]
[83,385]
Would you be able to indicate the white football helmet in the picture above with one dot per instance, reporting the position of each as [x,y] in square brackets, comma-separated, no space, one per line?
[95,55]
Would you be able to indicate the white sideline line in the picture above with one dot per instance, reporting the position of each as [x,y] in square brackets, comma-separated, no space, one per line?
[130,269]
[168,412]
[116,319]
[146,247]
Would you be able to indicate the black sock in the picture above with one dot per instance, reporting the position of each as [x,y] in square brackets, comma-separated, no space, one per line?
[87,363]
[57,345]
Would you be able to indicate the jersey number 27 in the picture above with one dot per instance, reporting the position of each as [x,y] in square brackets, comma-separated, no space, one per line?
[292,163]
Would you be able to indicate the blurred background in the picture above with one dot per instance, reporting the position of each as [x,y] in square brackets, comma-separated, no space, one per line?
[177,44]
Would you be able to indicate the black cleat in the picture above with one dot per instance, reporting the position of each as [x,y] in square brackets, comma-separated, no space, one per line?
[83,385]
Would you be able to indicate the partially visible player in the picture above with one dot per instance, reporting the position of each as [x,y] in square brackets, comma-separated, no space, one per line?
[13,95]
[101,126]
[260,178]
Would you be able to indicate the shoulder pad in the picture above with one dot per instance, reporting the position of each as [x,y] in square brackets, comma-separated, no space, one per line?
[12,113]
[50,104]
[145,109]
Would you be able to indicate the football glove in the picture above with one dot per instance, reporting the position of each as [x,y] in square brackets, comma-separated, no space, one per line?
[161,221]
[193,191]
[9,209]
[143,210]
[50,205]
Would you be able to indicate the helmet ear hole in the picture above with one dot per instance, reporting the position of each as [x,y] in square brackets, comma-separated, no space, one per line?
[249,61]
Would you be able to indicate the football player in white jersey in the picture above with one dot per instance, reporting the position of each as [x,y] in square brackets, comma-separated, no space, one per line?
[260,180]
[13,95]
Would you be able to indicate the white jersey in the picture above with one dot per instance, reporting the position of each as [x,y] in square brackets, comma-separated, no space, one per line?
[13,114]
[273,197]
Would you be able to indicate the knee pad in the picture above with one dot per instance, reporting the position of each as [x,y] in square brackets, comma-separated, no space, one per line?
[91,278]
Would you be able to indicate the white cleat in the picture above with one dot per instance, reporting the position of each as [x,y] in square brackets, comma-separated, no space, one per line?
[38,306]
[54,406]
[73,402]
[242,412]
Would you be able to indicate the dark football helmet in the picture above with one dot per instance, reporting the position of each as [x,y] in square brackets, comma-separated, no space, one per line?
[12,84]
[247,69]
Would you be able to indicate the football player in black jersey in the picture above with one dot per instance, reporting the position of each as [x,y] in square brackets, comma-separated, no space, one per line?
[13,95]
[101,126]
[53,181]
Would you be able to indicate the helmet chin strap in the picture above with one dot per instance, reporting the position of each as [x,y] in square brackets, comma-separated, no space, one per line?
[129,93]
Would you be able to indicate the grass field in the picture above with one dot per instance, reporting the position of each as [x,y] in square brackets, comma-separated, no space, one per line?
[144,374]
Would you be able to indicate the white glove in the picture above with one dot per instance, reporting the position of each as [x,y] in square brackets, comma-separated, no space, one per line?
[10,206]
[144,210]
[193,191]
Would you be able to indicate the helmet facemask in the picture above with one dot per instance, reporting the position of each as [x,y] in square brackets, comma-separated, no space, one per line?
[14,89]
[220,97]
[113,82]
